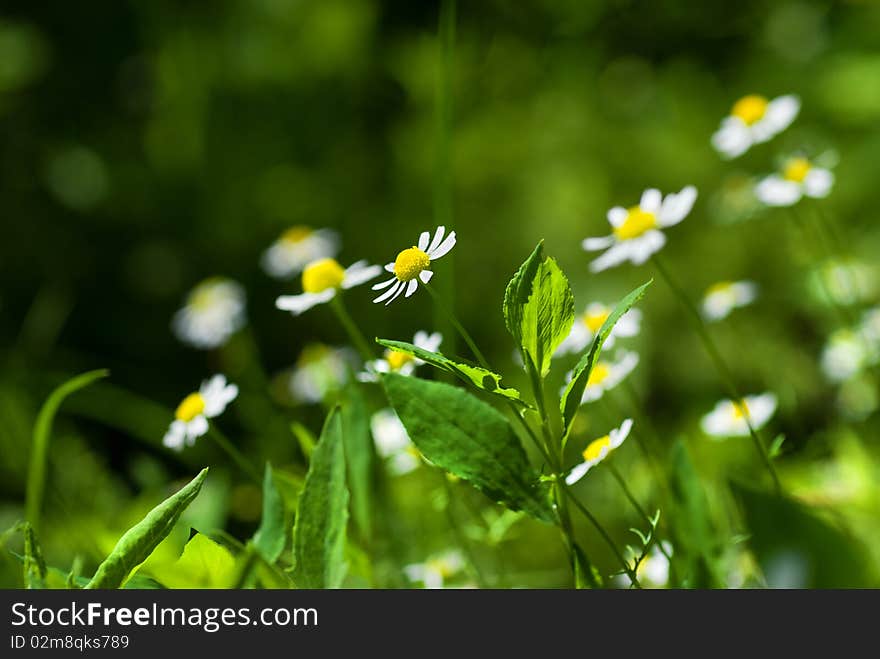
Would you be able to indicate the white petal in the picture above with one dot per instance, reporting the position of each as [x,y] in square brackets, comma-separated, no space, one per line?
[577,473]
[676,206]
[818,182]
[650,202]
[594,244]
[196,428]
[174,438]
[617,216]
[425,276]
[383,284]
[643,247]
[411,287]
[615,255]
[389,267]
[297,304]
[577,340]
[618,435]
[424,239]
[444,247]
[733,138]
[390,292]
[780,113]
[776,191]
[438,238]
[761,408]
[360,273]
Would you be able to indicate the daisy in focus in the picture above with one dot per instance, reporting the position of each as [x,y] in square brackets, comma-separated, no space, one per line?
[322,280]
[191,417]
[730,419]
[652,572]
[636,232]
[725,296]
[413,265]
[753,120]
[319,371]
[798,178]
[588,324]
[438,569]
[296,248]
[598,450]
[607,374]
[214,311]
[393,443]
[395,361]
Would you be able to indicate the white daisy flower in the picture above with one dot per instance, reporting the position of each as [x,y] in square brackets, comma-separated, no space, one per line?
[870,326]
[636,232]
[847,353]
[754,120]
[728,419]
[585,328]
[607,374]
[414,264]
[598,450]
[395,361]
[320,370]
[214,311]
[725,296]
[799,178]
[438,569]
[296,248]
[191,416]
[322,279]
[393,443]
[652,572]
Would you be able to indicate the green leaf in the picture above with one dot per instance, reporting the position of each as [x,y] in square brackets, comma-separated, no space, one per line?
[697,550]
[480,378]
[798,549]
[539,308]
[319,531]
[36,481]
[467,437]
[574,391]
[359,455]
[272,533]
[34,565]
[304,438]
[139,541]
[203,564]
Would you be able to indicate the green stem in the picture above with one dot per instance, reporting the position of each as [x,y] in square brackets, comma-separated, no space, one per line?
[635,504]
[351,328]
[229,448]
[720,365]
[458,327]
[605,536]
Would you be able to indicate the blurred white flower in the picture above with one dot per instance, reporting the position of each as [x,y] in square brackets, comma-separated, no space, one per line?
[438,569]
[848,281]
[320,370]
[636,232]
[214,311]
[846,354]
[725,296]
[598,449]
[191,416]
[322,279]
[395,361]
[652,572]
[296,248]
[728,418]
[393,443]
[607,374]
[413,265]
[588,324]
[798,178]
[754,120]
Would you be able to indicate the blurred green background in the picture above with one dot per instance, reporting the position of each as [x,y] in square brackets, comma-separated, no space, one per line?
[149,145]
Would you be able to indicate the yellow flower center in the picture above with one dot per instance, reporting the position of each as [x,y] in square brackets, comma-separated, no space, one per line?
[722,287]
[441,566]
[190,408]
[750,108]
[410,262]
[796,170]
[321,275]
[296,234]
[636,223]
[397,359]
[594,450]
[595,319]
[599,374]
[740,410]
